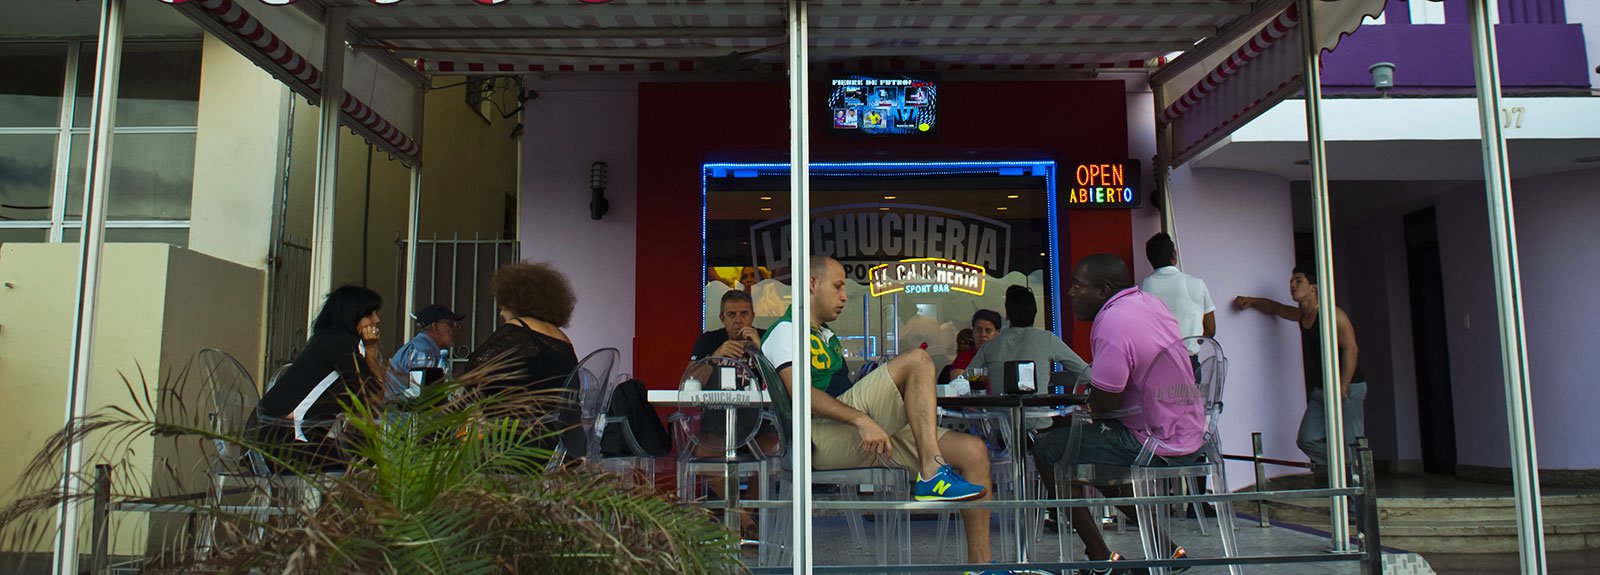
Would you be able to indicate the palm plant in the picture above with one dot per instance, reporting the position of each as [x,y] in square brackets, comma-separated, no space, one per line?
[456,482]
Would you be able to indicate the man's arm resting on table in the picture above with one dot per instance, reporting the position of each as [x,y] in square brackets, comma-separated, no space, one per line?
[1102,401]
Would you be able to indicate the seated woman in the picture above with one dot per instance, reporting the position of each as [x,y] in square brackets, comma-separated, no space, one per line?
[536,301]
[341,357]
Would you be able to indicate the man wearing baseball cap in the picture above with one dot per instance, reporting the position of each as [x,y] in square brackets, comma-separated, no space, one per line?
[436,334]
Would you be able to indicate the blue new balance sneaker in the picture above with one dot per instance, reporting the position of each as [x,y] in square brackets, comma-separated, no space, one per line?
[947,485]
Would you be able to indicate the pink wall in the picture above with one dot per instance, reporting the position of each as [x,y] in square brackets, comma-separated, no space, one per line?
[570,126]
[1237,233]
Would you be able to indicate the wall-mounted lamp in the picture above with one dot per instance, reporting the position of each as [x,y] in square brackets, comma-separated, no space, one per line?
[598,206]
[1382,77]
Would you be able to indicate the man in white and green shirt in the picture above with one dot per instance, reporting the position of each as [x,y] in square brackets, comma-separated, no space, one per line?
[886,418]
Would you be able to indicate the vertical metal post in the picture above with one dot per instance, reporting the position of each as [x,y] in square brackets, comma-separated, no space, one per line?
[1261,478]
[414,222]
[100,520]
[1508,295]
[1367,511]
[322,211]
[800,274]
[91,245]
[1328,313]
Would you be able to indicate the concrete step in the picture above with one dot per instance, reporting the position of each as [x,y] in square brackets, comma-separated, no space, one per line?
[1463,525]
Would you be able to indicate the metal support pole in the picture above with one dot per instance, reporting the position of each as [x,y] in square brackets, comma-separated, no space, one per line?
[1261,478]
[1327,316]
[100,521]
[327,161]
[800,278]
[413,222]
[1508,295]
[1367,517]
[91,246]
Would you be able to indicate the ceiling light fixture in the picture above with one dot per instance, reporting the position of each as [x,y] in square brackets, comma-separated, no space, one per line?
[766,198]
[891,197]
[1013,196]
[1002,208]
[766,209]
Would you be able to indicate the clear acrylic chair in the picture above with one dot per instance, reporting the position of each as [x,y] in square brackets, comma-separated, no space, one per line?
[1150,475]
[891,540]
[231,395]
[585,419]
[722,433]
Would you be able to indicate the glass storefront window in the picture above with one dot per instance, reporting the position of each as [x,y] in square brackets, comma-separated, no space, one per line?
[30,89]
[159,86]
[27,176]
[993,216]
[152,176]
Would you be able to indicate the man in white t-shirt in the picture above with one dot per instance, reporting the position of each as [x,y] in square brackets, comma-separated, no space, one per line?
[1185,295]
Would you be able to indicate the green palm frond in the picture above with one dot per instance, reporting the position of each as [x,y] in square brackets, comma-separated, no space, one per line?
[458,483]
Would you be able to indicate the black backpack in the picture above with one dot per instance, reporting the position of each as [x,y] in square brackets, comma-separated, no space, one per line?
[630,403]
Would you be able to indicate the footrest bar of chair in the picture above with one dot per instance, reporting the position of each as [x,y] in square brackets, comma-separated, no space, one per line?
[1190,562]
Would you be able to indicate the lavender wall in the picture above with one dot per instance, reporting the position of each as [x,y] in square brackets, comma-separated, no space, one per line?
[1555,238]
[1554,216]
[1236,231]
[1429,57]
[570,126]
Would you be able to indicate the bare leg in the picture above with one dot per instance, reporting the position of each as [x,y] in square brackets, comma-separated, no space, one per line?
[913,373]
[970,456]
[1094,544]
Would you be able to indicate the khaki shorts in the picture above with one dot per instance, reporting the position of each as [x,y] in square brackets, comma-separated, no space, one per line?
[837,445]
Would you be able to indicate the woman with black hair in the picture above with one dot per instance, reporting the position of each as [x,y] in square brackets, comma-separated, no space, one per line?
[341,356]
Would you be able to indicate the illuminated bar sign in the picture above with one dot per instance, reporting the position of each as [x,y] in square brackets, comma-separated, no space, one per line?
[1102,185]
[927,276]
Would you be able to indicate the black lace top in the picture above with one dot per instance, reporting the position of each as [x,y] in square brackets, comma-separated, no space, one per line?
[538,361]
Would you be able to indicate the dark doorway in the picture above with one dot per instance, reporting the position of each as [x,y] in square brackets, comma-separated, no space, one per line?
[1436,411]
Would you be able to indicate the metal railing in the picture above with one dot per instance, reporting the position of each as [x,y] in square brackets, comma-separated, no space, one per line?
[288,311]
[457,272]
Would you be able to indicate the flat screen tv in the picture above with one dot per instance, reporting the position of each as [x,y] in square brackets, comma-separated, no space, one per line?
[883,105]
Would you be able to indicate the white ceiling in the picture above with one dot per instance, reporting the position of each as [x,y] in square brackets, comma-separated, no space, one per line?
[1401,160]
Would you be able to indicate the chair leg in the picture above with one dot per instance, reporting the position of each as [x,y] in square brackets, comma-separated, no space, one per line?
[1191,486]
[1148,537]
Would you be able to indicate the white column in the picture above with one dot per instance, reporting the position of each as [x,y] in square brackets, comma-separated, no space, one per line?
[1508,295]
[800,280]
[91,245]
[1327,318]
[322,213]
[413,221]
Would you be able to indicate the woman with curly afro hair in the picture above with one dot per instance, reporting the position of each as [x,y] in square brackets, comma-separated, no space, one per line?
[536,301]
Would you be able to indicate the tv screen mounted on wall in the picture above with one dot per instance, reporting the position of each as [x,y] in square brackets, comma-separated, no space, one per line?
[883,105]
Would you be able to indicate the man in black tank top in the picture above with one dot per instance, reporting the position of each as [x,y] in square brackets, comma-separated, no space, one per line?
[1313,435]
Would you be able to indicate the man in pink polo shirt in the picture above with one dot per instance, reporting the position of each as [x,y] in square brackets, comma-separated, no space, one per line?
[1139,361]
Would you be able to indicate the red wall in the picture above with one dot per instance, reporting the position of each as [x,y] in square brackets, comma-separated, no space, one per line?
[683,125]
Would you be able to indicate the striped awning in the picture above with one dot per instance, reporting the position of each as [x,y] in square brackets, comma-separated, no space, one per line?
[1207,94]
[256,40]
[1213,64]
